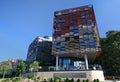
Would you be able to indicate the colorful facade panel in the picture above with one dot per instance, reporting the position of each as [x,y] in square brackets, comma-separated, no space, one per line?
[75,32]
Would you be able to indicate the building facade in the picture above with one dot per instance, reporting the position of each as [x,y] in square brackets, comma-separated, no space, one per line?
[40,50]
[75,36]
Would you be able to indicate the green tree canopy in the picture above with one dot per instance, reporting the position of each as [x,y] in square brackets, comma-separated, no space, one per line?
[111,32]
[5,67]
[110,58]
[21,67]
[35,66]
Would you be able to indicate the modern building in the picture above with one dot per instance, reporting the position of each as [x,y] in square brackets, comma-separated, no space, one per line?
[40,50]
[75,37]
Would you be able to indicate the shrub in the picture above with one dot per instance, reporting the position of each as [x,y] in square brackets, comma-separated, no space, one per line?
[60,80]
[66,80]
[78,80]
[57,78]
[87,80]
[72,80]
[17,78]
[97,80]
[12,78]
[30,76]
[8,79]
[51,80]
[45,80]
[4,80]
[35,79]
[84,81]
[94,80]
[38,78]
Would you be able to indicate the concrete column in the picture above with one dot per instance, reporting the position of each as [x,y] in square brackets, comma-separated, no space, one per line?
[56,62]
[86,62]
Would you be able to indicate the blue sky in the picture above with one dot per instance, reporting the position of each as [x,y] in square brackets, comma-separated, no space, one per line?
[22,20]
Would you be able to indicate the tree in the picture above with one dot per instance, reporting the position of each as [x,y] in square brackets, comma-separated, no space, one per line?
[21,67]
[111,32]
[35,66]
[5,67]
[14,73]
[110,53]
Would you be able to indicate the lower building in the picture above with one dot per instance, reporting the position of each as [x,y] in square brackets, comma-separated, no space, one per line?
[40,50]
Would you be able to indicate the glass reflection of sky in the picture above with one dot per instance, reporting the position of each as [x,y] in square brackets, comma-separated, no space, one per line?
[66,61]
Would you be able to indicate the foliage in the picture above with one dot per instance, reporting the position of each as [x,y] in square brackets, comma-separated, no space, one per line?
[14,73]
[5,67]
[6,80]
[45,80]
[87,80]
[38,78]
[30,77]
[78,80]
[35,66]
[51,80]
[66,80]
[84,81]
[72,80]
[21,67]
[60,80]
[96,80]
[17,79]
[110,53]
[57,78]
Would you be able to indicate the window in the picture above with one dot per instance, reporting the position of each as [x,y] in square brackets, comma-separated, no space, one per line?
[89,21]
[58,33]
[72,14]
[86,21]
[62,24]
[58,43]
[76,37]
[73,22]
[92,46]
[62,48]
[83,13]
[67,38]
[76,31]
[81,41]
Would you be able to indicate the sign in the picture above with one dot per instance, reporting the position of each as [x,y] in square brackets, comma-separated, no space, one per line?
[70,75]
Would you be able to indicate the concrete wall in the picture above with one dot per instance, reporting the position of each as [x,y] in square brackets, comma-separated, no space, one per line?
[82,75]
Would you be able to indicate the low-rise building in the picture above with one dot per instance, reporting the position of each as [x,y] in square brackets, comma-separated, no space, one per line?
[40,50]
